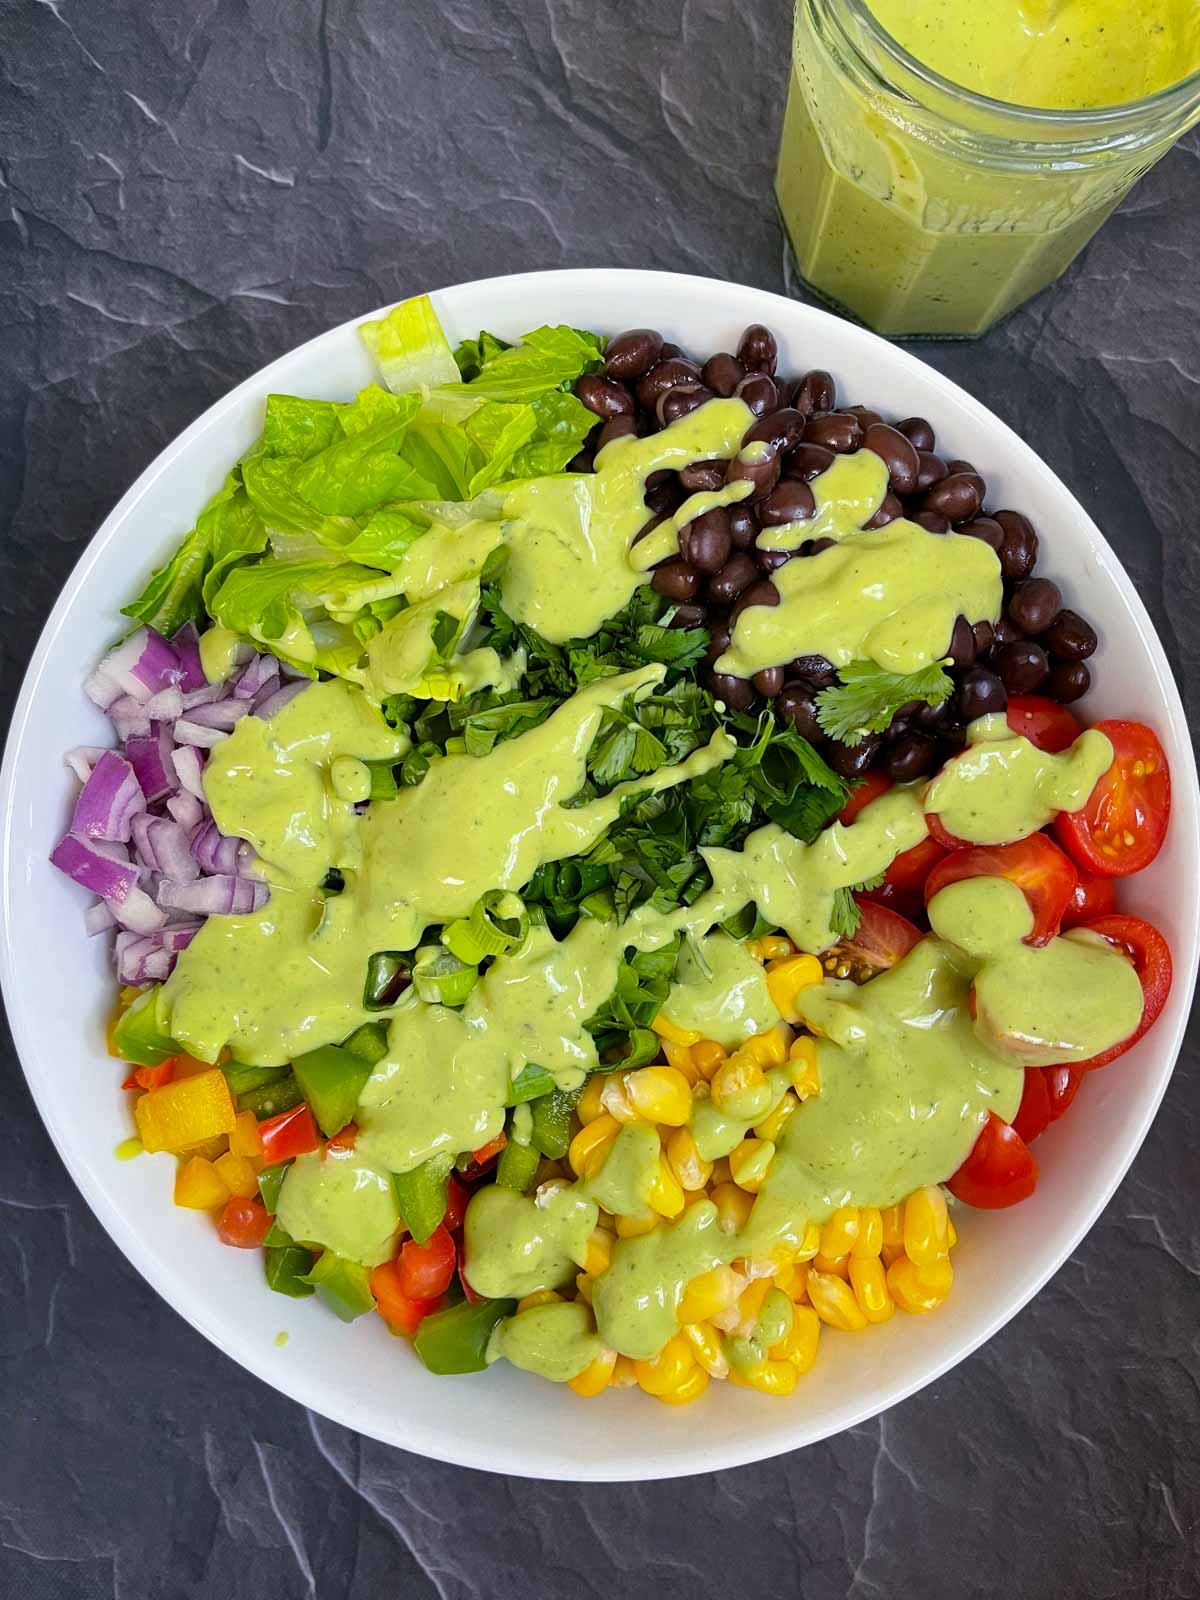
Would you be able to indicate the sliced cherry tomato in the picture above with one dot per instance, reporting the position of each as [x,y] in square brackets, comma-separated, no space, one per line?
[872,786]
[291,1133]
[999,1171]
[1036,865]
[1121,828]
[881,939]
[942,837]
[244,1223]
[1033,1114]
[1043,722]
[1092,897]
[400,1311]
[424,1271]
[345,1138]
[456,1204]
[904,880]
[484,1158]
[1151,957]
[1062,1085]
[475,1299]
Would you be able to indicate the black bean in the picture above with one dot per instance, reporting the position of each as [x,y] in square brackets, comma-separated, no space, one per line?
[725,586]
[979,694]
[720,633]
[663,376]
[665,496]
[785,389]
[616,428]
[983,637]
[908,756]
[953,733]
[1035,604]
[722,373]
[898,454]
[762,473]
[677,402]
[932,521]
[962,644]
[931,469]
[836,430]
[961,466]
[632,353]
[866,416]
[702,475]
[743,527]
[757,349]
[757,391]
[707,541]
[781,428]
[905,714]
[957,496]
[889,510]
[797,704]
[676,580]
[1004,632]
[852,760]
[670,351]
[768,682]
[604,396]
[583,461]
[1019,551]
[816,670]
[808,461]
[813,547]
[687,616]
[933,718]
[815,392]
[987,529]
[1070,638]
[771,560]
[919,431]
[760,593]
[1022,665]
[737,693]
[789,501]
[1068,680]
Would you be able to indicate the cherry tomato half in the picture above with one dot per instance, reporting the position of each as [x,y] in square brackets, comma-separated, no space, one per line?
[999,1171]
[1043,722]
[941,836]
[1151,957]
[1092,897]
[1033,1114]
[881,939]
[243,1223]
[1036,865]
[904,881]
[872,786]
[1062,1085]
[1121,828]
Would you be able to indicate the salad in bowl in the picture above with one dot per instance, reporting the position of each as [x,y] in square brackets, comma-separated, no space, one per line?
[601,867]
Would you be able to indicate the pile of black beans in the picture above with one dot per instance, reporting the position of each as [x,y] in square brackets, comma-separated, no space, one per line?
[1037,647]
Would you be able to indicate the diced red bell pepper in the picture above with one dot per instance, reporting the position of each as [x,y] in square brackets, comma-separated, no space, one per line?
[456,1204]
[424,1271]
[151,1077]
[400,1311]
[244,1223]
[345,1138]
[291,1133]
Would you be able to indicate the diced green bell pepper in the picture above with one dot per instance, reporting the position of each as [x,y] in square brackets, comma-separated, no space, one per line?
[331,1080]
[138,1039]
[517,1166]
[552,1123]
[287,1270]
[344,1286]
[389,973]
[370,1042]
[456,1340]
[276,1237]
[531,1083]
[270,1181]
[242,1079]
[421,1195]
[272,1098]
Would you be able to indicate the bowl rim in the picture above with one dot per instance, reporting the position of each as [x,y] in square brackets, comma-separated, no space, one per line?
[317,1397]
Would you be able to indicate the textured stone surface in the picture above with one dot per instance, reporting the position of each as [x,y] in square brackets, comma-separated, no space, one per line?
[190,188]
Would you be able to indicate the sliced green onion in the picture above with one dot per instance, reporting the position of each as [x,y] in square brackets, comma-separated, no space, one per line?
[599,906]
[644,1045]
[497,922]
[383,780]
[442,979]
[388,975]
[531,1083]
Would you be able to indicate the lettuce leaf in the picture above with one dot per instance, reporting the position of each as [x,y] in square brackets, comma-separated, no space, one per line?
[298,428]
[410,348]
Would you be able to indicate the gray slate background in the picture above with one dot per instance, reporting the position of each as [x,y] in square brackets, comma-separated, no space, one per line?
[191,188]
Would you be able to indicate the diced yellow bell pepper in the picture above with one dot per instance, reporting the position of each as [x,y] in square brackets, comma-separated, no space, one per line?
[198,1185]
[237,1174]
[185,1113]
[245,1139]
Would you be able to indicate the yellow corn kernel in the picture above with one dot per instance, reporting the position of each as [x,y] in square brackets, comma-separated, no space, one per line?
[769,1377]
[685,1160]
[925,1229]
[805,1074]
[183,1114]
[769,1049]
[199,1186]
[835,1266]
[833,1301]
[583,1286]
[772,947]
[666,1197]
[868,1279]
[589,1105]
[810,1244]
[591,1145]
[624,1374]
[773,1125]
[919,1289]
[596,1376]
[870,1234]
[840,1233]
[238,1175]
[666,1029]
[634,1227]
[720,1172]
[951,1234]
[710,1293]
[750,1162]
[244,1138]
[793,1280]
[800,1345]
[708,1348]
[692,1387]
[740,1074]
[615,1100]
[708,1055]
[679,1057]
[598,1255]
[785,980]
[891,1220]
[733,1205]
[539,1297]
[742,1318]
[669,1367]
[660,1094]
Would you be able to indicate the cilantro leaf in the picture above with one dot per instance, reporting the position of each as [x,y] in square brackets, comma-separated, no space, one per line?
[845,916]
[868,698]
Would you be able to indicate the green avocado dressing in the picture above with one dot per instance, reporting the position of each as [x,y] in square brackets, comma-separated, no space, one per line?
[720,991]
[1003,787]
[555,1341]
[342,1202]
[515,1244]
[888,595]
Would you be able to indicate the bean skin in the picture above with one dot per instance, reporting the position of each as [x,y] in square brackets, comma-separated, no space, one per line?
[771,560]
[815,670]
[722,373]
[789,501]
[687,616]
[987,529]
[757,349]
[663,376]
[725,586]
[815,392]
[908,757]
[836,430]
[919,431]
[983,637]
[676,580]
[631,354]
[737,693]
[866,417]
[813,547]
[720,634]
[1004,632]
[807,461]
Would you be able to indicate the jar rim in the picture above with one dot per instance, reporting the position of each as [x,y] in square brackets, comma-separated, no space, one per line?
[1089,120]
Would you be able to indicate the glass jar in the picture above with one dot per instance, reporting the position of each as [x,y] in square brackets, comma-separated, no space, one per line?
[922,208]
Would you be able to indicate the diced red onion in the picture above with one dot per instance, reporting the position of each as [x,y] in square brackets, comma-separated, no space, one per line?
[263,670]
[186,809]
[150,757]
[221,714]
[100,688]
[188,732]
[164,846]
[141,958]
[166,705]
[83,758]
[98,918]
[186,645]
[205,696]
[142,664]
[274,702]
[223,895]
[138,912]
[109,800]
[129,717]
[178,938]
[189,764]
[88,862]
[215,851]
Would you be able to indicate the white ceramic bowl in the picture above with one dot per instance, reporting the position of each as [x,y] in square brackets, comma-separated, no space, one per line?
[58,987]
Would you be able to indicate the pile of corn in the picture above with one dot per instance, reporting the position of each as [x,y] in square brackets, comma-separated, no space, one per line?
[756,1322]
